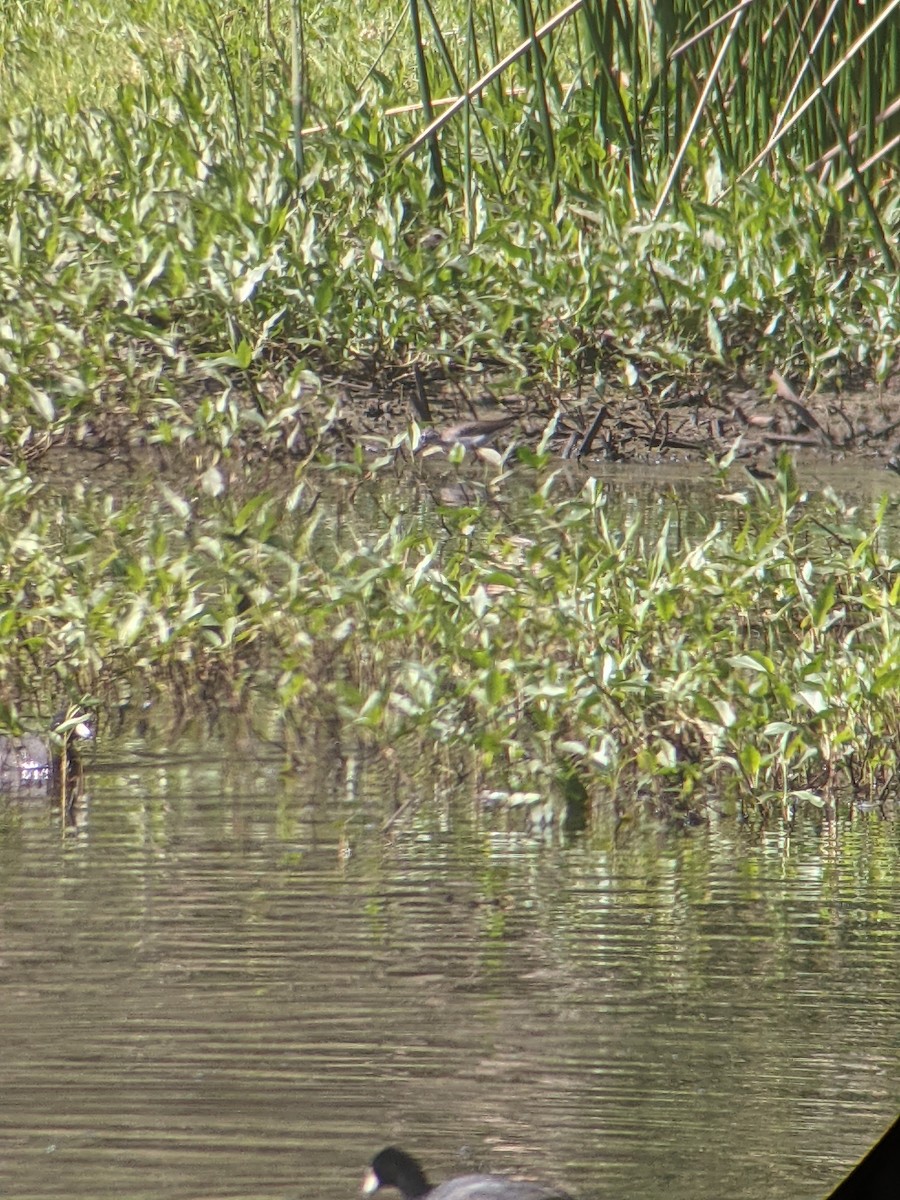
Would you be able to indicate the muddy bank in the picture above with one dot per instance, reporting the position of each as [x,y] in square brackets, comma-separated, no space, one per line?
[683,424]
[677,424]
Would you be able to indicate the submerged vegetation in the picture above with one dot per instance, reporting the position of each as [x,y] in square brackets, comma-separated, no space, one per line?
[567,650]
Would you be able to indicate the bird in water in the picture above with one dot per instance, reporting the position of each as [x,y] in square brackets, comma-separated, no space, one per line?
[873,1178]
[394,1168]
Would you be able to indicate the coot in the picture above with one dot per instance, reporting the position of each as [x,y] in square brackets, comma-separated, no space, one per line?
[394,1168]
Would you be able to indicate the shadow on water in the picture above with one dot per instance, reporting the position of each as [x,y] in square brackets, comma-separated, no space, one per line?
[237,979]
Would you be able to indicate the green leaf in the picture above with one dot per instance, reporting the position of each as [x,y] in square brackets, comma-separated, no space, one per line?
[751,760]
[823,605]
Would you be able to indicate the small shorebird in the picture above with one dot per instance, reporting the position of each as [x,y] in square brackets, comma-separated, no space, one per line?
[471,434]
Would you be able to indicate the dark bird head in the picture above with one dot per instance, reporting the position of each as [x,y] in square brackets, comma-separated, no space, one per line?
[394,1168]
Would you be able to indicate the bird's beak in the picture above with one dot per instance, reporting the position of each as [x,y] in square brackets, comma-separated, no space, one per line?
[370,1183]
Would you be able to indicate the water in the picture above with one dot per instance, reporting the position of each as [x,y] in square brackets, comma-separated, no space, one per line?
[231,981]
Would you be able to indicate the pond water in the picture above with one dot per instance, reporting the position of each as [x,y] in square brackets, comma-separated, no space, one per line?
[232,980]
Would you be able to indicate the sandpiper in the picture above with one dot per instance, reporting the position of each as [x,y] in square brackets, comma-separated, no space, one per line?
[471,434]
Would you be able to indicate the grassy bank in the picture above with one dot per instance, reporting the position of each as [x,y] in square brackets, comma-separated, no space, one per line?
[563,651]
[179,236]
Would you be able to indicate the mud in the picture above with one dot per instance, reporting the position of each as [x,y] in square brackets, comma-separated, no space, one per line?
[679,424]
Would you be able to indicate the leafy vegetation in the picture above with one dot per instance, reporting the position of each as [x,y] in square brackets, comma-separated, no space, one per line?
[565,649]
[212,214]
[174,225]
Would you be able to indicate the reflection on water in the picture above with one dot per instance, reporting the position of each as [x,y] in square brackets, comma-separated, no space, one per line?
[231,982]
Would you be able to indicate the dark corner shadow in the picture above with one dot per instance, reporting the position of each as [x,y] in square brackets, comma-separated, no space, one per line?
[877,1176]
